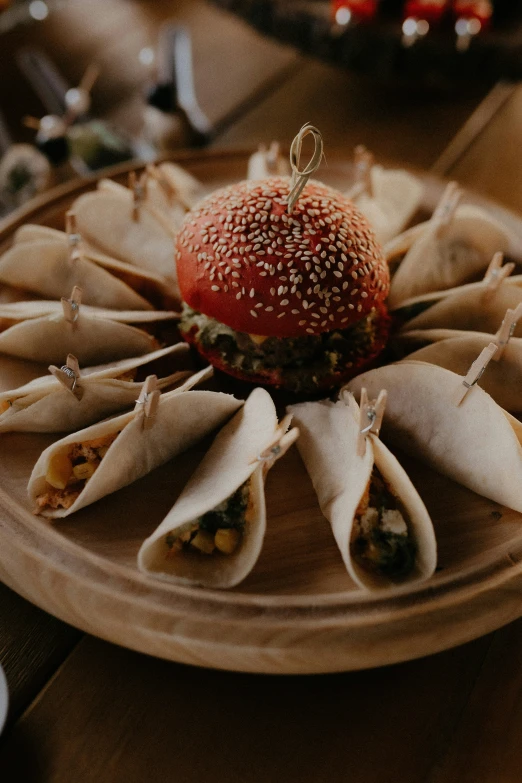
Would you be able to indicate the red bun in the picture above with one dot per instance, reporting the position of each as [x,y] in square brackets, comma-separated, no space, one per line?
[244,261]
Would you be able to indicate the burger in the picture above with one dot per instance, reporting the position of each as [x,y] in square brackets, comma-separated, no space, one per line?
[295,301]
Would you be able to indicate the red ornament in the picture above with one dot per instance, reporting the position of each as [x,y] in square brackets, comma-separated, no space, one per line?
[430,10]
[481,10]
[361,10]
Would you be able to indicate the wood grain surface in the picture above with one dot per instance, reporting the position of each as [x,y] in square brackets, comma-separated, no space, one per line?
[298,611]
[113,715]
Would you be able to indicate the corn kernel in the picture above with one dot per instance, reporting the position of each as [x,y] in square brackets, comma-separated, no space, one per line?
[204,541]
[85,470]
[59,471]
[4,406]
[227,540]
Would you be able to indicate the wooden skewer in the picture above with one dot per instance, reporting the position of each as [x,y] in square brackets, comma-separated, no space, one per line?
[496,273]
[445,209]
[507,329]
[475,372]
[73,236]
[89,77]
[149,400]
[71,307]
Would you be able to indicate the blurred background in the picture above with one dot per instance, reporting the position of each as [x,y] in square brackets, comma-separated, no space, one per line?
[423,82]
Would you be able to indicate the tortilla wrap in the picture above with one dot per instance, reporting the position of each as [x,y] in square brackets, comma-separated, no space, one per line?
[44,268]
[396,197]
[232,460]
[45,405]
[476,443]
[445,259]
[181,420]
[328,446]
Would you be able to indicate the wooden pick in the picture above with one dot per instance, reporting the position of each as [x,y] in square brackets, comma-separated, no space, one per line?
[73,236]
[138,186]
[149,400]
[372,412]
[69,376]
[272,157]
[363,163]
[89,77]
[507,329]
[496,273]
[445,209]
[281,442]
[71,307]
[475,372]
[300,178]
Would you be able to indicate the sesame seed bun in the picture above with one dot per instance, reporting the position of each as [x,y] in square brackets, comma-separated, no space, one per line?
[242,260]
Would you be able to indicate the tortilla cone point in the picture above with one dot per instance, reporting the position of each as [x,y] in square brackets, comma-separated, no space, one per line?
[44,268]
[430,263]
[181,420]
[477,443]
[329,433]
[232,459]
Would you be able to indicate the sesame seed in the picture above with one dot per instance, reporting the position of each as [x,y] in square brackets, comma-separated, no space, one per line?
[214,288]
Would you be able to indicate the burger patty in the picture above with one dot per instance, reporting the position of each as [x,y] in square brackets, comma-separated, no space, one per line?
[302,364]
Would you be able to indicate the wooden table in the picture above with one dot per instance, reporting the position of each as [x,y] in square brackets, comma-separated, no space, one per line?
[84,710]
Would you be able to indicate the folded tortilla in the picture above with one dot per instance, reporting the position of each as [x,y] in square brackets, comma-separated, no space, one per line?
[396,197]
[341,477]
[180,421]
[231,466]
[456,351]
[44,268]
[476,443]
[104,219]
[471,307]
[154,288]
[456,255]
[48,338]
[46,405]
[28,309]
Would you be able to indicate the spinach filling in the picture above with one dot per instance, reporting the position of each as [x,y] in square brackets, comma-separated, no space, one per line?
[298,364]
[220,529]
[380,540]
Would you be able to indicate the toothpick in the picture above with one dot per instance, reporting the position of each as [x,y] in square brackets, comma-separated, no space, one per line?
[475,372]
[363,164]
[89,77]
[279,445]
[372,412]
[164,183]
[300,178]
[31,122]
[496,273]
[272,157]
[71,307]
[138,186]
[507,329]
[73,236]
[445,209]
[149,400]
[69,375]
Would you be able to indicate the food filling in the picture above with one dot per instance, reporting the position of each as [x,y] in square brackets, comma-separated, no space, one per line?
[219,531]
[69,471]
[299,364]
[4,406]
[381,541]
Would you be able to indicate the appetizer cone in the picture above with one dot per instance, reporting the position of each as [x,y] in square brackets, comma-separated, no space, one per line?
[152,287]
[388,198]
[445,257]
[138,235]
[68,400]
[47,268]
[87,465]
[28,310]
[476,443]
[379,522]
[214,533]
[48,338]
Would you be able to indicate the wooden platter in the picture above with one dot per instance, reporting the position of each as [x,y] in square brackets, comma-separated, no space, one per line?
[298,611]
